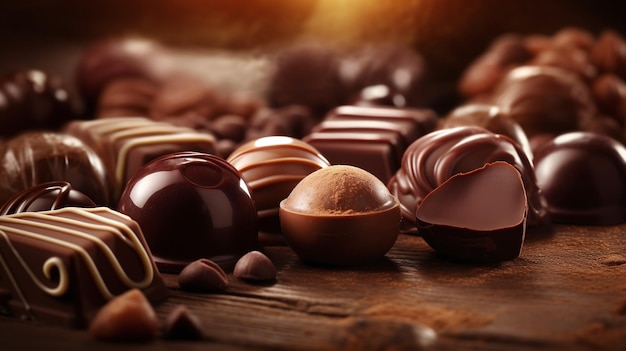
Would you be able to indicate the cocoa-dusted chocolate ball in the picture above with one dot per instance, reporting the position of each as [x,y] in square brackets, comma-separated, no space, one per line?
[340,215]
[192,205]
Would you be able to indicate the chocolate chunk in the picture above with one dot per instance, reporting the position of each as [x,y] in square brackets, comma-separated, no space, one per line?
[126,144]
[128,317]
[340,215]
[255,266]
[46,196]
[272,166]
[202,275]
[180,324]
[33,158]
[62,265]
[192,205]
[372,138]
[478,216]
[583,177]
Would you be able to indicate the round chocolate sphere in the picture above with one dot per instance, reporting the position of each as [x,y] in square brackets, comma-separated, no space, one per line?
[192,205]
[33,158]
[272,166]
[340,215]
[44,197]
[583,177]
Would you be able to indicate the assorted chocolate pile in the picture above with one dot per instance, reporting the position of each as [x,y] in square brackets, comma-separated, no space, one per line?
[151,169]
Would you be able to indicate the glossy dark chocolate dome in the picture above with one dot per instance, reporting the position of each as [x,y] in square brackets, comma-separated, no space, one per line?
[192,205]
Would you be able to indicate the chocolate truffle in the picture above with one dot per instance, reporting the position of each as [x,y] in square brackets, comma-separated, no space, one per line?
[478,216]
[545,100]
[439,155]
[46,196]
[61,266]
[33,158]
[583,177]
[340,215]
[33,100]
[125,144]
[192,205]
[129,96]
[272,166]
[609,53]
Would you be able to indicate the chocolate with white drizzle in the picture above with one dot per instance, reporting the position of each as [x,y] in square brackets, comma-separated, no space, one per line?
[125,144]
[60,266]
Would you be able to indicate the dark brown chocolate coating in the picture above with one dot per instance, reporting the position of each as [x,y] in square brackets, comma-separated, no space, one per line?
[33,100]
[62,266]
[38,157]
[545,100]
[44,197]
[583,177]
[294,121]
[126,97]
[272,166]
[439,155]
[609,53]
[192,205]
[478,216]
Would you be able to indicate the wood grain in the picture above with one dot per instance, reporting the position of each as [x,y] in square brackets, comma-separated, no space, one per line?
[566,291]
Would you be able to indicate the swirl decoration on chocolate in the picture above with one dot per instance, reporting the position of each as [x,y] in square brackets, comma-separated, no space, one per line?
[46,196]
[117,139]
[437,156]
[66,228]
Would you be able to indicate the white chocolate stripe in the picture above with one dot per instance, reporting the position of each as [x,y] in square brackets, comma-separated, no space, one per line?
[153,140]
[101,285]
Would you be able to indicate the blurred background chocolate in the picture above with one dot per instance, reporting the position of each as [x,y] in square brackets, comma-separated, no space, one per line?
[34,100]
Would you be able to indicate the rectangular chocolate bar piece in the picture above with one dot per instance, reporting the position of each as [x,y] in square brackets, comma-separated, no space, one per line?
[61,266]
[125,144]
[376,152]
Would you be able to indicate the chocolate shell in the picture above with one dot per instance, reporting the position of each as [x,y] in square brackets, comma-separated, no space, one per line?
[192,205]
[583,177]
[439,155]
[478,216]
[44,197]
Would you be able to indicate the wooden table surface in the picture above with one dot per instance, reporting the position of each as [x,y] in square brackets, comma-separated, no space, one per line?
[567,291]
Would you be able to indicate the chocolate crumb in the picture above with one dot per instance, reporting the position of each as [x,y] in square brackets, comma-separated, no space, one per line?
[182,325]
[202,275]
[255,266]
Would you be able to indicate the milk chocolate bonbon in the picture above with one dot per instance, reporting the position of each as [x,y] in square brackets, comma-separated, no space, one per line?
[340,215]
[61,266]
[125,144]
[33,158]
[439,155]
[478,216]
[192,205]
